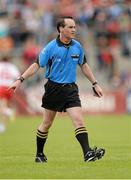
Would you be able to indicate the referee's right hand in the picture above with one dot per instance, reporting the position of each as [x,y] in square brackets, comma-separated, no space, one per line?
[15,86]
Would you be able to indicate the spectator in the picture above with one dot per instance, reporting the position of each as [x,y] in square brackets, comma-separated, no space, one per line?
[125,25]
[8,73]
[30,51]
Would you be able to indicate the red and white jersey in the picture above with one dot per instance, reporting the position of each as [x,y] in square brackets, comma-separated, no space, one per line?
[8,73]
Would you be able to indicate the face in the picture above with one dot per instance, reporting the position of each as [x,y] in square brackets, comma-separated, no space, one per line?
[68,31]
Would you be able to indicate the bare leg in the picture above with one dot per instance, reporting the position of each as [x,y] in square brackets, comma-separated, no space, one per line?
[48,118]
[76,116]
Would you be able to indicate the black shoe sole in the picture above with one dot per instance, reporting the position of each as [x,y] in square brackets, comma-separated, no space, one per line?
[92,159]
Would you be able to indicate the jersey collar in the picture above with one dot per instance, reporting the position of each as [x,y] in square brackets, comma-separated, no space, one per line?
[63,44]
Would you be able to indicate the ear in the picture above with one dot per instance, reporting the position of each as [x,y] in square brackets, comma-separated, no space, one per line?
[61,29]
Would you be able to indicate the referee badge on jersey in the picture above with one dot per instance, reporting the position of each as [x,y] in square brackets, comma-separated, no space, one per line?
[75,57]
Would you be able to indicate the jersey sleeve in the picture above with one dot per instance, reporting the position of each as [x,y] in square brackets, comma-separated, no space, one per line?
[81,58]
[84,60]
[43,58]
[37,60]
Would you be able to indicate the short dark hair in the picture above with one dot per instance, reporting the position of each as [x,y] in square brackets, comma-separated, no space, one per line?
[61,22]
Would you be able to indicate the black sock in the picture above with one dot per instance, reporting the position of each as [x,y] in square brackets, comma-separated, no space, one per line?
[82,137]
[40,141]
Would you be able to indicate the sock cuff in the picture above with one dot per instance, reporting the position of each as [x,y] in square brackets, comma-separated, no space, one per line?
[80,130]
[42,135]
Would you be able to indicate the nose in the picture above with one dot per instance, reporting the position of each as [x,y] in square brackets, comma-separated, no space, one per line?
[73,30]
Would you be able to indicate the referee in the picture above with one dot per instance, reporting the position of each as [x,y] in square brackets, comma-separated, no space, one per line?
[61,57]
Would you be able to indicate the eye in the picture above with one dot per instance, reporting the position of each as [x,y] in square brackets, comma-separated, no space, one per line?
[72,27]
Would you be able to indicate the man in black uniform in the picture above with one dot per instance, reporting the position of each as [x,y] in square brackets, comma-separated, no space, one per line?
[61,58]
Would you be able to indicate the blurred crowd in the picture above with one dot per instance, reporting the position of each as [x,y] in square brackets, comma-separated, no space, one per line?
[102,25]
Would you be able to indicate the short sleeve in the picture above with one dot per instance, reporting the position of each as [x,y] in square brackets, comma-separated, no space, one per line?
[84,60]
[81,59]
[43,57]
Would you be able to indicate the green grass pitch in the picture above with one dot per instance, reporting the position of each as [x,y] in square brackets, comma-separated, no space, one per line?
[65,159]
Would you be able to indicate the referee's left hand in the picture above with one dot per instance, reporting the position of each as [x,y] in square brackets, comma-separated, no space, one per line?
[97,91]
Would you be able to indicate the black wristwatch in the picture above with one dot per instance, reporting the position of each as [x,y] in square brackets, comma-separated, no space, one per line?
[21,79]
[94,83]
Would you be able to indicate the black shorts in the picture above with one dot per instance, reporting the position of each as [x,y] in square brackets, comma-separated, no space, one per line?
[59,97]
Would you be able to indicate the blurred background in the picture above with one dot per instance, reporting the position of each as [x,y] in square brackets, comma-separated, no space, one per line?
[104,29]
